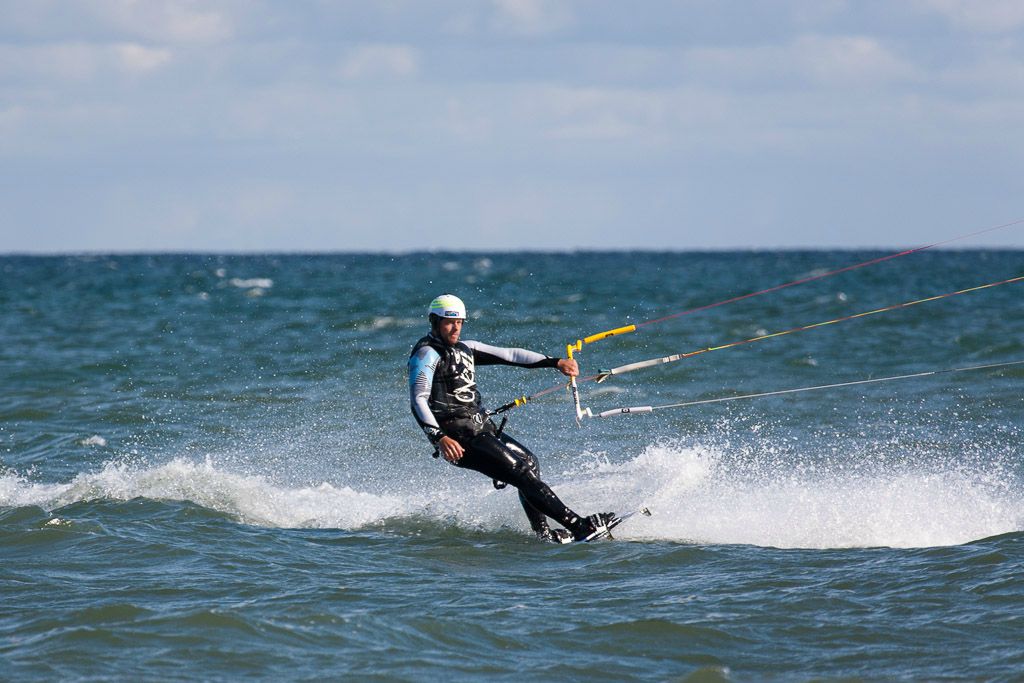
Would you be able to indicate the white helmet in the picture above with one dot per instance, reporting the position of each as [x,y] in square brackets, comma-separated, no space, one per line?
[448,306]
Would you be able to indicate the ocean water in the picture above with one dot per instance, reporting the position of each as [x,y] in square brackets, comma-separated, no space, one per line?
[208,470]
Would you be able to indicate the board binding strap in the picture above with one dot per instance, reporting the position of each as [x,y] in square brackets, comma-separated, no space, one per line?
[602,533]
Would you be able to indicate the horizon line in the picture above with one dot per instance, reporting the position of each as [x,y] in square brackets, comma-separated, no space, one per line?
[476,252]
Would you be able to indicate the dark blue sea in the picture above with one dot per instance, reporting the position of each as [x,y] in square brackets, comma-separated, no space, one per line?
[209,471]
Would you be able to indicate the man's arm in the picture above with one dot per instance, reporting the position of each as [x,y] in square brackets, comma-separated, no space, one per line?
[422,365]
[485,354]
[421,376]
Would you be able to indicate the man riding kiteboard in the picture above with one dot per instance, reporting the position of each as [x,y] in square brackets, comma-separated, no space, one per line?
[447,405]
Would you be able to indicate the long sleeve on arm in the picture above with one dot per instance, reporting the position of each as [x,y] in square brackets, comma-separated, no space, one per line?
[485,354]
[422,365]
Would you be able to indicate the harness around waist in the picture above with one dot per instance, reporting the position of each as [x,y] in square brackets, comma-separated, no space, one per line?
[465,427]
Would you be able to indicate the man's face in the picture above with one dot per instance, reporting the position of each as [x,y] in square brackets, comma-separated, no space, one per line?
[449,330]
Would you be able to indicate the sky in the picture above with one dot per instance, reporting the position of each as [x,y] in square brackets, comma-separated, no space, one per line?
[491,125]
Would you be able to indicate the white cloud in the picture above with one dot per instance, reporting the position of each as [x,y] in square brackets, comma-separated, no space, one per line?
[135,58]
[76,61]
[380,61]
[818,12]
[986,16]
[531,17]
[172,21]
[841,61]
[459,24]
[508,122]
[601,113]
[145,21]
[466,122]
[849,59]
[260,204]
[267,114]
[65,61]
[12,118]
[527,18]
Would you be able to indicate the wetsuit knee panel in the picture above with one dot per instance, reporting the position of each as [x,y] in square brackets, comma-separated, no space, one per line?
[522,453]
[496,459]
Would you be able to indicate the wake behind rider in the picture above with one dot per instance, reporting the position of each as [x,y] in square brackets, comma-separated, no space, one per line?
[447,405]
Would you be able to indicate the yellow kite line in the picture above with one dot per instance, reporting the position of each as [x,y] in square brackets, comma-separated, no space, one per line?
[622,369]
[630,367]
[800,281]
[578,346]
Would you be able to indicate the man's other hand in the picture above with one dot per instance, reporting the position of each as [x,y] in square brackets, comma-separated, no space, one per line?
[568,367]
[450,449]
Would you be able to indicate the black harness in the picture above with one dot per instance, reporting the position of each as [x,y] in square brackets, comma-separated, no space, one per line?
[454,398]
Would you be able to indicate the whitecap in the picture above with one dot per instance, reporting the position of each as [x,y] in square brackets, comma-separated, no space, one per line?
[251,283]
[252,499]
[387,322]
[607,389]
[703,494]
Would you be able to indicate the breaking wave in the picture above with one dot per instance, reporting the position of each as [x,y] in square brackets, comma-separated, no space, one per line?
[698,494]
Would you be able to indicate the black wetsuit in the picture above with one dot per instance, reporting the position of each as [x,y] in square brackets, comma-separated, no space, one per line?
[446,402]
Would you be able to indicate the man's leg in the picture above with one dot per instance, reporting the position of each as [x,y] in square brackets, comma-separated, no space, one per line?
[582,528]
[507,460]
[538,521]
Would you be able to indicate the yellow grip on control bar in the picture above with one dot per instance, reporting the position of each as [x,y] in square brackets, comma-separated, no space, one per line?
[604,335]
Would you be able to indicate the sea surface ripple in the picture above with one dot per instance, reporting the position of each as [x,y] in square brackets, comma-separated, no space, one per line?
[208,470]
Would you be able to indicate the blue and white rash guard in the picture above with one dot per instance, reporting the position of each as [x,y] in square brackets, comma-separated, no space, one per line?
[442,379]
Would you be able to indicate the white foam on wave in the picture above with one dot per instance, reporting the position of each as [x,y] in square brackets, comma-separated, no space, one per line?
[255,499]
[385,322]
[607,390]
[250,283]
[251,499]
[698,495]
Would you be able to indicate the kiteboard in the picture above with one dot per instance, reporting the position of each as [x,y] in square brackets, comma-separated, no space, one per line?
[603,534]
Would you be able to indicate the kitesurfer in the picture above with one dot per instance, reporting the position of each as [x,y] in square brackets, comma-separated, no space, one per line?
[448,407]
